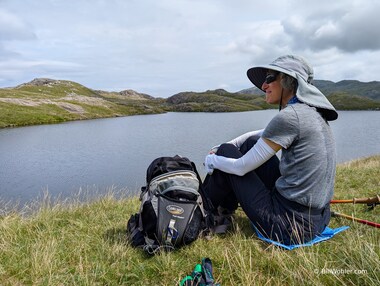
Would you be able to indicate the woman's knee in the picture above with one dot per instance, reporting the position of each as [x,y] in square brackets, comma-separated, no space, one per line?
[229,150]
[248,144]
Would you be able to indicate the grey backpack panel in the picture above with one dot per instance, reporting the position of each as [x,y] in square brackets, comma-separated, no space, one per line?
[172,212]
[175,199]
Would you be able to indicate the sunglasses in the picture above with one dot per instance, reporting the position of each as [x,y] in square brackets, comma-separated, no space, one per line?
[270,78]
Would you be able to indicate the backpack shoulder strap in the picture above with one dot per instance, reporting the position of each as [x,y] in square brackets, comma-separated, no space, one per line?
[207,205]
[134,232]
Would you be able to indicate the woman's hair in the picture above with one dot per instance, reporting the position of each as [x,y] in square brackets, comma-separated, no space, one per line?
[288,82]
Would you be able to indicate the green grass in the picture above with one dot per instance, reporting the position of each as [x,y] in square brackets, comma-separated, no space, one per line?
[12,115]
[84,243]
[18,115]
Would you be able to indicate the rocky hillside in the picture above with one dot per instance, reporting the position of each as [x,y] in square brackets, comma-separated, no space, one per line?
[344,95]
[217,100]
[51,101]
[125,94]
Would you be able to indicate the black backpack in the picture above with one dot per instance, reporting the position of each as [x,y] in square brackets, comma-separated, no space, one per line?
[172,211]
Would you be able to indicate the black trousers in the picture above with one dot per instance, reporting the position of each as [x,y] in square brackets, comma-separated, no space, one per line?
[273,215]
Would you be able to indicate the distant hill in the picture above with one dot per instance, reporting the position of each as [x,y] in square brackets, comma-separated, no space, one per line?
[251,90]
[126,94]
[217,100]
[344,95]
[353,87]
[44,100]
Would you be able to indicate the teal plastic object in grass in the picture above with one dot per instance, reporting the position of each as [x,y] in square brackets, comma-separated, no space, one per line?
[201,275]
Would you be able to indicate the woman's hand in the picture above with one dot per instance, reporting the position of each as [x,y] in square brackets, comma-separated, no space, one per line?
[214,149]
[209,167]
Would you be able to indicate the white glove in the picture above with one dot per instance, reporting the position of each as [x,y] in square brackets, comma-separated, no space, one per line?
[209,167]
[214,149]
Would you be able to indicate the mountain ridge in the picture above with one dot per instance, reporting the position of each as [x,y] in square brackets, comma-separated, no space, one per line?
[354,87]
[45,100]
[369,89]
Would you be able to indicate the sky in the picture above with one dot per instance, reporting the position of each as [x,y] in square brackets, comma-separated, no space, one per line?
[163,47]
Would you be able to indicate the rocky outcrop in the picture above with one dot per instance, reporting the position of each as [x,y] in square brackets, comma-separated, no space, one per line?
[131,94]
[41,82]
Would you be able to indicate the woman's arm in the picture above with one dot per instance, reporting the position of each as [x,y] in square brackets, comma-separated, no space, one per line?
[262,151]
[238,141]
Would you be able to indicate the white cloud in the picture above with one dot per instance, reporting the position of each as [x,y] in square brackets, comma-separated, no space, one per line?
[13,28]
[162,47]
[349,27]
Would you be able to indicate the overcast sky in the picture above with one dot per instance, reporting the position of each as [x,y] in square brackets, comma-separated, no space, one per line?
[162,47]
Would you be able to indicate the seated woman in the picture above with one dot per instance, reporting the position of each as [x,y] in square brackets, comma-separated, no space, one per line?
[287,200]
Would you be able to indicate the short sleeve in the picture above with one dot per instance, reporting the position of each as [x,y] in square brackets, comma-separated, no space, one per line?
[283,129]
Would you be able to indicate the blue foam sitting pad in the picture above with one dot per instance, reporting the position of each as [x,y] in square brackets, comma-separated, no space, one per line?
[325,235]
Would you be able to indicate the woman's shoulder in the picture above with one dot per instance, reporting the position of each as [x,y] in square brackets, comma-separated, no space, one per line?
[290,111]
[293,114]
[287,116]
[298,109]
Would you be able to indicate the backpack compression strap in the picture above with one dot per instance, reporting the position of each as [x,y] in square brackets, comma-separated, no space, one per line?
[171,232]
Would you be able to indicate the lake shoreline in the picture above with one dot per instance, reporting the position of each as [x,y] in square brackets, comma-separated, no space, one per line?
[45,199]
[141,114]
[93,155]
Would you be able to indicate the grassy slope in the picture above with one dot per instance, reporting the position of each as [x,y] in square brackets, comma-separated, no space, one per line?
[48,100]
[345,101]
[73,243]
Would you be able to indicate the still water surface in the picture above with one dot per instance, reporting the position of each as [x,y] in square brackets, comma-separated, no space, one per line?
[94,155]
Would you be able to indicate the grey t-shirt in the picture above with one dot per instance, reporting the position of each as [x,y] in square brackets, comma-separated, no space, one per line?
[308,159]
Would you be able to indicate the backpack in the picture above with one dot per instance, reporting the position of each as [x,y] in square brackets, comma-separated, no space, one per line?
[172,211]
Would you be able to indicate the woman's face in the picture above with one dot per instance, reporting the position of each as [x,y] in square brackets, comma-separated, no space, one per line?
[272,87]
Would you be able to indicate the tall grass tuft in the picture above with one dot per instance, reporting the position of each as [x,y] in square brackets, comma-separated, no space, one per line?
[76,242]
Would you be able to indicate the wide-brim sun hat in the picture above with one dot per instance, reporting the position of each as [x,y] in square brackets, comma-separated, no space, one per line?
[298,68]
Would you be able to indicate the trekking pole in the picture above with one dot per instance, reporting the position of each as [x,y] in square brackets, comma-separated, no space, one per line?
[363,221]
[371,202]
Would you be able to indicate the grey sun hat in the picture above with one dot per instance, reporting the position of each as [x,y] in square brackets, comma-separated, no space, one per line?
[298,68]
